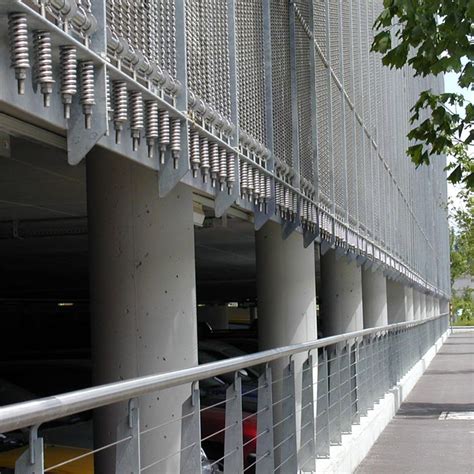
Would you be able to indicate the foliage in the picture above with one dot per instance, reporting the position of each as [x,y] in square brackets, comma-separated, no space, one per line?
[463,305]
[462,239]
[434,37]
[462,258]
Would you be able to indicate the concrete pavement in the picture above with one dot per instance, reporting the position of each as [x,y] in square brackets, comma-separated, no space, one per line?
[417,441]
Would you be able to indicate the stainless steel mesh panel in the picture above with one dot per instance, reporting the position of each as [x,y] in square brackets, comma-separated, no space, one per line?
[303,44]
[281,90]
[322,103]
[249,25]
[147,26]
[362,171]
[208,52]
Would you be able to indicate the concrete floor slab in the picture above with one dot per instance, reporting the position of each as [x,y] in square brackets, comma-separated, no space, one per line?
[416,440]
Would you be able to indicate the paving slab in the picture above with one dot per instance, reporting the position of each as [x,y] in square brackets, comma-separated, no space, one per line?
[433,431]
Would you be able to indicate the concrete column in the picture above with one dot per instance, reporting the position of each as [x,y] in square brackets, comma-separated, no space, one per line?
[423,305]
[396,302]
[286,288]
[374,299]
[416,305]
[429,306]
[409,309]
[286,294]
[436,306]
[341,295]
[443,306]
[143,298]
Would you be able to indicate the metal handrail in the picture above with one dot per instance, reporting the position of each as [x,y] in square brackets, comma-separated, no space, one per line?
[35,412]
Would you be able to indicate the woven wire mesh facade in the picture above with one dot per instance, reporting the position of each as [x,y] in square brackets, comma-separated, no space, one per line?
[352,114]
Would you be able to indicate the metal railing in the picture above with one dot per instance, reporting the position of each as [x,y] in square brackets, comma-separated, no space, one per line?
[282,409]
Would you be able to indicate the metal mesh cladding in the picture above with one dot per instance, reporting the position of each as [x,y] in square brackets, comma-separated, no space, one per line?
[303,44]
[148,26]
[250,66]
[322,103]
[281,90]
[207,45]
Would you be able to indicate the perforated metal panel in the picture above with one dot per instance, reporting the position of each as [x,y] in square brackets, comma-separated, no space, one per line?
[250,57]
[208,53]
[303,44]
[281,81]
[147,26]
[359,126]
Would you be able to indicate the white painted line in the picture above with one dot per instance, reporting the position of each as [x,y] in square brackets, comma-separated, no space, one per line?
[457,415]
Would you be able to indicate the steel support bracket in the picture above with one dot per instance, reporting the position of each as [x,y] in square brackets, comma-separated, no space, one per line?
[32,460]
[233,445]
[191,433]
[127,453]
[265,453]
[81,140]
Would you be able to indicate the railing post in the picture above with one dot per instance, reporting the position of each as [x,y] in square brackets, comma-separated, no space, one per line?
[306,455]
[362,368]
[322,406]
[288,461]
[233,449]
[127,457]
[334,397]
[345,389]
[32,460]
[265,456]
[191,433]
[354,356]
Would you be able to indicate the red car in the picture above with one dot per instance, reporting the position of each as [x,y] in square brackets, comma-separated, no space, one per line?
[213,421]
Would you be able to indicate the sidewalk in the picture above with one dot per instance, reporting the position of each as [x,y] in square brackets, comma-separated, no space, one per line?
[417,441]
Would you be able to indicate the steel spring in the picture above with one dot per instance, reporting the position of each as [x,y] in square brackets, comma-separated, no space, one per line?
[204,148]
[214,156]
[222,164]
[43,63]
[151,107]
[230,170]
[87,90]
[18,35]
[244,178]
[87,83]
[164,124]
[175,135]
[195,153]
[256,183]
[68,60]
[136,110]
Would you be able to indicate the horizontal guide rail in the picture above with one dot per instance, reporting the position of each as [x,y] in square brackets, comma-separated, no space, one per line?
[21,415]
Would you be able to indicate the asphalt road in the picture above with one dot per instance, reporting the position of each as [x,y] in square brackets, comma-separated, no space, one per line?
[416,440]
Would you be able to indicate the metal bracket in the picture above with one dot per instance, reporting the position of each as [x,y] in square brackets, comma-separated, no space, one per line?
[306,455]
[325,246]
[191,433]
[127,457]
[288,451]
[233,445]
[170,174]
[290,226]
[265,444]
[32,460]
[224,200]
[322,406]
[81,140]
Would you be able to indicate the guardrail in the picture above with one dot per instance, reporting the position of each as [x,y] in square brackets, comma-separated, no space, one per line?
[282,409]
